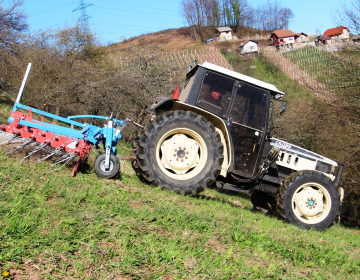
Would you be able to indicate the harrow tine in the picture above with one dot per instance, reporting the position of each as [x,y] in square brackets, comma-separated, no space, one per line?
[65,158]
[55,152]
[41,146]
[18,147]
[13,137]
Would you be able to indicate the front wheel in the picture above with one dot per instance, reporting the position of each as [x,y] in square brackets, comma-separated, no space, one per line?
[100,169]
[180,151]
[309,199]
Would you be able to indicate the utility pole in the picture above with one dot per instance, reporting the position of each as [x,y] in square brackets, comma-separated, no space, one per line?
[84,17]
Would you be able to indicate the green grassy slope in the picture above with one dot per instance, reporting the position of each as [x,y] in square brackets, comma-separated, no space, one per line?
[54,226]
[57,226]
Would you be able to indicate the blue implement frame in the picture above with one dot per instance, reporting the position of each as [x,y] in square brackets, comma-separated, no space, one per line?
[109,135]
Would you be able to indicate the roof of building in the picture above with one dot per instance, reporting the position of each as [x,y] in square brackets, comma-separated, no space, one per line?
[244,43]
[335,31]
[299,34]
[242,77]
[224,29]
[326,37]
[283,33]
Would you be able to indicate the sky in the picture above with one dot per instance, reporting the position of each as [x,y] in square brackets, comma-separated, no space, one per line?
[115,20]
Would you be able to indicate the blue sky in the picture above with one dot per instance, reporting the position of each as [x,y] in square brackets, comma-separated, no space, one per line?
[115,19]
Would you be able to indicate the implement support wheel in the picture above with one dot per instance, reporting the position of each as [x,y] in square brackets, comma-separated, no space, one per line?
[99,166]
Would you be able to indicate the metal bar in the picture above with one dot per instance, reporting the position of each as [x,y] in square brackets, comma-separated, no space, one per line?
[46,114]
[88,117]
[19,147]
[9,140]
[23,83]
[55,152]
[56,129]
[66,158]
[119,122]
[41,146]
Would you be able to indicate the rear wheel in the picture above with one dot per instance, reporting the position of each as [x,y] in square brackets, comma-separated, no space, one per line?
[181,152]
[100,169]
[309,199]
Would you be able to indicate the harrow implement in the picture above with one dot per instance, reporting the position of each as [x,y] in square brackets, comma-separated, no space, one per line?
[58,140]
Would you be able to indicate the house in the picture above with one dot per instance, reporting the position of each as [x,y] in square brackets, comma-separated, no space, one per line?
[225,33]
[324,39]
[282,36]
[301,37]
[249,48]
[337,34]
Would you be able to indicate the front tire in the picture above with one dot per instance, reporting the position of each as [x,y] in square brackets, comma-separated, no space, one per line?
[309,199]
[99,166]
[180,151]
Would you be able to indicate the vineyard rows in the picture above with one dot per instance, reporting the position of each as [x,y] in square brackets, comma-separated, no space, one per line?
[179,62]
[319,71]
[293,71]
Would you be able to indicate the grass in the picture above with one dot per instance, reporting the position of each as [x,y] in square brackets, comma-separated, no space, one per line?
[56,226]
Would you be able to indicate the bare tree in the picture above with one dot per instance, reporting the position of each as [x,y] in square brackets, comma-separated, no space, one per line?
[349,15]
[12,24]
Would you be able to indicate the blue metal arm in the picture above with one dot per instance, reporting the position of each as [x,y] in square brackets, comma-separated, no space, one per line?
[37,111]
[119,122]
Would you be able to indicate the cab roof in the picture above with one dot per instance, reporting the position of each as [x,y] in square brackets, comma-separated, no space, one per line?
[273,90]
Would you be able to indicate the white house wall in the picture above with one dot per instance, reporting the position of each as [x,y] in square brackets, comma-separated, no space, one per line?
[250,47]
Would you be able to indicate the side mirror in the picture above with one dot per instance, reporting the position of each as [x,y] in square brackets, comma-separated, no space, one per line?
[283,107]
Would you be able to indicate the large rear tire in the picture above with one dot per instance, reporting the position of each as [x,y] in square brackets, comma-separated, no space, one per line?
[180,151]
[309,199]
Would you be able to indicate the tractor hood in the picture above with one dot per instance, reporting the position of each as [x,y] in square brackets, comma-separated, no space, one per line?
[300,151]
[297,158]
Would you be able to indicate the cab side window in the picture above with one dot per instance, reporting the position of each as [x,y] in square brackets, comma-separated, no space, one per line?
[215,93]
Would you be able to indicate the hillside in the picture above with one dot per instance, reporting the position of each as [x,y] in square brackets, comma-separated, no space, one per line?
[167,40]
[54,226]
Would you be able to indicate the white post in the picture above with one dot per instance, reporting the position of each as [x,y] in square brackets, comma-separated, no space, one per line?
[23,83]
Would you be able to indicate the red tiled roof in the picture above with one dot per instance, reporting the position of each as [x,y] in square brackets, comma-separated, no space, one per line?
[283,33]
[299,34]
[335,31]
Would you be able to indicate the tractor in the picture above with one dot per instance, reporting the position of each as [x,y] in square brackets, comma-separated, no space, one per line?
[218,131]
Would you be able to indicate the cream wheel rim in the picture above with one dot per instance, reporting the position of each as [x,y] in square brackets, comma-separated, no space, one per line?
[181,153]
[311,203]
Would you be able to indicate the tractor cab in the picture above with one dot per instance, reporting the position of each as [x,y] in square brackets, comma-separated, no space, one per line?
[241,102]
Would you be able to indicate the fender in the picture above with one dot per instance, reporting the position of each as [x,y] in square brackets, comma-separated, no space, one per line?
[172,104]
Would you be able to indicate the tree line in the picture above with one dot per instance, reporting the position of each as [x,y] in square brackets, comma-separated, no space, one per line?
[204,14]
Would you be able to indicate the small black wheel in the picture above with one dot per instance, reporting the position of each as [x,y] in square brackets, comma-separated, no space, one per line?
[309,199]
[99,166]
[180,151]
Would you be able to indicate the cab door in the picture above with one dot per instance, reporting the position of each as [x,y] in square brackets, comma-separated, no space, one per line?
[248,119]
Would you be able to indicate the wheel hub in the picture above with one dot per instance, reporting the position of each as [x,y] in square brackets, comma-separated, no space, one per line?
[180,153]
[103,169]
[309,202]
